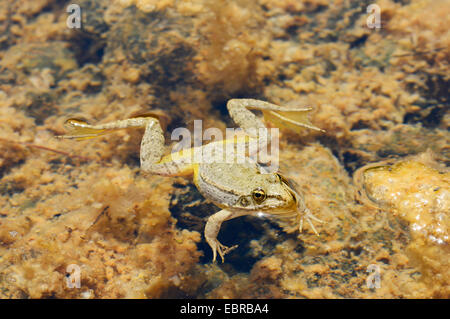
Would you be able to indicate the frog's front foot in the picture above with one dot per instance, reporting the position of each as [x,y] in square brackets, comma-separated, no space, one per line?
[308,216]
[217,247]
[212,230]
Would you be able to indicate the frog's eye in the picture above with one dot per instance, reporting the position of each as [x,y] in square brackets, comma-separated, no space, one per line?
[258,195]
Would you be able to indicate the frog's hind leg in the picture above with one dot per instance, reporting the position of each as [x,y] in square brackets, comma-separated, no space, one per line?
[282,117]
[152,143]
[80,130]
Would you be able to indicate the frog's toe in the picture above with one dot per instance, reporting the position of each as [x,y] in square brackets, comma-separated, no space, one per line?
[223,250]
[308,216]
[294,119]
[80,130]
[220,249]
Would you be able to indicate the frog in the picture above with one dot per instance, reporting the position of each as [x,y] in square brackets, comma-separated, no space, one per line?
[237,188]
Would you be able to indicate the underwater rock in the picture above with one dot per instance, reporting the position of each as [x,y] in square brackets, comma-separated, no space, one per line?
[419,194]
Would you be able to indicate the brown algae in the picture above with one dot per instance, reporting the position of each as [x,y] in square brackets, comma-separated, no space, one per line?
[378,94]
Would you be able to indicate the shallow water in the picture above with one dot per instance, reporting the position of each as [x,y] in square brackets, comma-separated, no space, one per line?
[79,220]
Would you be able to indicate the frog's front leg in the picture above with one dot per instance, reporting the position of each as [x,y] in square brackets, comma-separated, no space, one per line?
[294,118]
[212,229]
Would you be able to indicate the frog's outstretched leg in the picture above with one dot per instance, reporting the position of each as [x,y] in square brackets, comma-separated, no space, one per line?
[152,143]
[282,117]
[212,230]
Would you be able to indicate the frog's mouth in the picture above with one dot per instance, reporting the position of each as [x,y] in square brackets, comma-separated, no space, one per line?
[290,185]
[295,207]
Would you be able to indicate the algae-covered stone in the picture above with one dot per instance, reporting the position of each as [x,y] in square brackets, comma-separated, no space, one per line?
[420,195]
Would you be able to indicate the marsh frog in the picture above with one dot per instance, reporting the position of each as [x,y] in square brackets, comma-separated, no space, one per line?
[237,188]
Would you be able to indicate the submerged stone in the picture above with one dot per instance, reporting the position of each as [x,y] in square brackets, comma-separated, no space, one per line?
[420,195]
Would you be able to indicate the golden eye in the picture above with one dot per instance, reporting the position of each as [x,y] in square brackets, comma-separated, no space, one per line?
[258,195]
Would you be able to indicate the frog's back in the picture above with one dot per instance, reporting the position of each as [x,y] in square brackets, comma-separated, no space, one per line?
[225,183]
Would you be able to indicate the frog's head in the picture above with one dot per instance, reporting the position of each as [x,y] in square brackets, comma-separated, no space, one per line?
[273,195]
